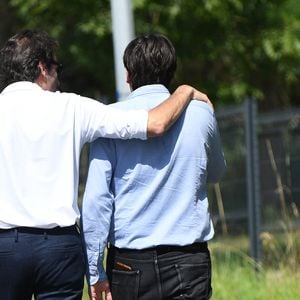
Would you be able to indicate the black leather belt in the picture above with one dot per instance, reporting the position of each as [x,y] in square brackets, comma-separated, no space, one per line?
[166,248]
[55,231]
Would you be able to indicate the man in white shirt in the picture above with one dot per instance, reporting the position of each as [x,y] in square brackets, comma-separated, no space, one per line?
[41,135]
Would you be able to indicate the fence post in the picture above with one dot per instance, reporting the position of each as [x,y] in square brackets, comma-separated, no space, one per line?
[253,178]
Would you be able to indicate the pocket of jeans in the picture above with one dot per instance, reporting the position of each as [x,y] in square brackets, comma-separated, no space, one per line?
[194,280]
[125,284]
[7,247]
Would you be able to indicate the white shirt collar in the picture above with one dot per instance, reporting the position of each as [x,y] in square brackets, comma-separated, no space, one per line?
[21,85]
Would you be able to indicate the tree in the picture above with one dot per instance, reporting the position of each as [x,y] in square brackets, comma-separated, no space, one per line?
[84,33]
[228,48]
[232,48]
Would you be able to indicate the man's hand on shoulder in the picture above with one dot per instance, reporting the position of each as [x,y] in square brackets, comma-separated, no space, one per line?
[96,290]
[197,95]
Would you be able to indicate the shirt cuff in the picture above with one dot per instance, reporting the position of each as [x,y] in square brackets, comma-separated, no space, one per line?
[96,276]
[140,125]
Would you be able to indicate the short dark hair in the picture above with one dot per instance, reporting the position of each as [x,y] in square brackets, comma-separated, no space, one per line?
[150,59]
[20,56]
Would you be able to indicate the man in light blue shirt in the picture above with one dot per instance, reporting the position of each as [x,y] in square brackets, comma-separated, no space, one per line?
[148,199]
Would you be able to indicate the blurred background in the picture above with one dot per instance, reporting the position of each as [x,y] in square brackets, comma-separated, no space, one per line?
[246,56]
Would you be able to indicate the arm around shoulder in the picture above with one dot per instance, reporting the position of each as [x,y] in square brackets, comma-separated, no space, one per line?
[163,116]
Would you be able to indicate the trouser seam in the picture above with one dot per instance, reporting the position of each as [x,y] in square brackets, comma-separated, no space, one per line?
[157,271]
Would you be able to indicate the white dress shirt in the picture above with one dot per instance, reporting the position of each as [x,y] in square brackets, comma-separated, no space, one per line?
[41,136]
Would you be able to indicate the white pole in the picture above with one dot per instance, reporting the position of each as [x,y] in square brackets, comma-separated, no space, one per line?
[123,33]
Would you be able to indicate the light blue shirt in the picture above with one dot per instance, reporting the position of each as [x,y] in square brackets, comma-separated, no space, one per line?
[141,194]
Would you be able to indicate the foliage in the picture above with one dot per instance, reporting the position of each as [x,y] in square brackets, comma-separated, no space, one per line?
[230,49]
[84,34]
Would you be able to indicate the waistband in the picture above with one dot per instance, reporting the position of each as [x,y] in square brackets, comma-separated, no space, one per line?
[163,249]
[49,231]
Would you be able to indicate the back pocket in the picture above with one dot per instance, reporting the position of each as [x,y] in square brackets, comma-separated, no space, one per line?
[125,284]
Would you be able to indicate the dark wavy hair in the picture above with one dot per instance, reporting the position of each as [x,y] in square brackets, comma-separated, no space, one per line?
[150,59]
[20,56]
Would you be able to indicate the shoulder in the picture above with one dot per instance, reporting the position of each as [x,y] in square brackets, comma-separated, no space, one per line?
[79,101]
[132,104]
[123,105]
[201,110]
[201,105]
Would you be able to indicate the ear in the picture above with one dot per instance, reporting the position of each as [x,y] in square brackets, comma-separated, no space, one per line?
[43,77]
[128,78]
[43,69]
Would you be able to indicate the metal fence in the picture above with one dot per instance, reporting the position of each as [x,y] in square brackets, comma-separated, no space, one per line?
[261,187]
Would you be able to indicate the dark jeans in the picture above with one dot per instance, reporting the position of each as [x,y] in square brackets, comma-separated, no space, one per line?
[48,264]
[160,273]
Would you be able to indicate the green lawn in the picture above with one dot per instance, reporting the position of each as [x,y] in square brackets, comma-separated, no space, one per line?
[237,277]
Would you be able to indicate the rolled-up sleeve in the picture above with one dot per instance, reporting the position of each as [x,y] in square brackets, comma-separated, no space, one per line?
[99,120]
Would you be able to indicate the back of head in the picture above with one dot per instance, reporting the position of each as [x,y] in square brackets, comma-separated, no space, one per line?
[150,59]
[21,55]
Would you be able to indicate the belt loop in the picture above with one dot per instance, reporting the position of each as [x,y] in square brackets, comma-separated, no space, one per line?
[16,235]
[78,228]
[45,235]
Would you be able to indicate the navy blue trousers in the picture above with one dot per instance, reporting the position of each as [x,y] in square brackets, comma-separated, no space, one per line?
[161,273]
[48,264]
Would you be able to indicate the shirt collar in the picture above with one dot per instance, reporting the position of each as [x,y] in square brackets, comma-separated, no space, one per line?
[148,89]
[21,85]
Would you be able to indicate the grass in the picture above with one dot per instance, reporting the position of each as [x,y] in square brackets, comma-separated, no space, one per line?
[242,283]
[234,275]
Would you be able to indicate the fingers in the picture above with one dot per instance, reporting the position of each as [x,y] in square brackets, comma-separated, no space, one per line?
[96,291]
[108,295]
[197,95]
[210,104]
[95,296]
